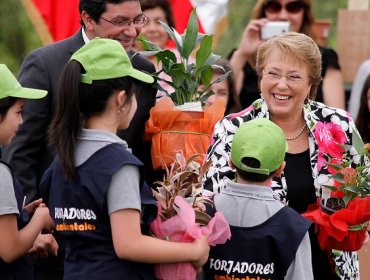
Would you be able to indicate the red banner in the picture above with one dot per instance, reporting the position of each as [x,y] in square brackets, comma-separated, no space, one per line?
[61,18]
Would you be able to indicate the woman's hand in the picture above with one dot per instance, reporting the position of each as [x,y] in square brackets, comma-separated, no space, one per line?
[251,38]
[249,43]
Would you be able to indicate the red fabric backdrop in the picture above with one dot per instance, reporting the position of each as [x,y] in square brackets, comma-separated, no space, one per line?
[62,17]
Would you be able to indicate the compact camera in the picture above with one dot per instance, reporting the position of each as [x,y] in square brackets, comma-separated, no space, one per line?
[273,28]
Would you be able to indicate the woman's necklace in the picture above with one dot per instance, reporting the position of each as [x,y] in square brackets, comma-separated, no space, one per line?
[297,135]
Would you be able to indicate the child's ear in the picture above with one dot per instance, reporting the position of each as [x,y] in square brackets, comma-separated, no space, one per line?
[231,164]
[121,98]
[280,169]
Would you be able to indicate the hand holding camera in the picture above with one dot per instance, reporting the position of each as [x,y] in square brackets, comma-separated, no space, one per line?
[272,28]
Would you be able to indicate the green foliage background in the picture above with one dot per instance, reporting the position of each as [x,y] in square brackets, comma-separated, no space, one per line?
[18,37]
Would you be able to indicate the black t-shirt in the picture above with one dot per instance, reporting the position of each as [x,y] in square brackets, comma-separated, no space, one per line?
[301,190]
[250,91]
[301,193]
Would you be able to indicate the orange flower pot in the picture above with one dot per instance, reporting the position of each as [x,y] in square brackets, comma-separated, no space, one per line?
[172,130]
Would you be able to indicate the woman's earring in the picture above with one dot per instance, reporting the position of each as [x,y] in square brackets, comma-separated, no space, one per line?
[121,110]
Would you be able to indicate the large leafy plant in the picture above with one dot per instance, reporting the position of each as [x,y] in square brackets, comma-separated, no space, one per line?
[186,76]
[183,178]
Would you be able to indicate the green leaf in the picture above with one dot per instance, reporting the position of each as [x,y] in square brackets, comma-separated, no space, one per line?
[191,33]
[200,37]
[206,75]
[221,78]
[357,142]
[174,35]
[212,59]
[336,167]
[205,94]
[339,177]
[147,45]
[206,89]
[178,74]
[347,199]
[204,51]
[352,189]
[332,188]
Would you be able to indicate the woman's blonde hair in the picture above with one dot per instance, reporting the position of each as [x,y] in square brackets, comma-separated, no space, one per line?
[258,12]
[296,46]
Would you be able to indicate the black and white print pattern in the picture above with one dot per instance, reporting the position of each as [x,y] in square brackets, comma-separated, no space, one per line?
[314,112]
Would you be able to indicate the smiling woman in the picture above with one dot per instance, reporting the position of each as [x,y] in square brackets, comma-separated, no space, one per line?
[299,14]
[289,69]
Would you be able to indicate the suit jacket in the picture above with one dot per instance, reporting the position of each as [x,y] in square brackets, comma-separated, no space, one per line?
[29,154]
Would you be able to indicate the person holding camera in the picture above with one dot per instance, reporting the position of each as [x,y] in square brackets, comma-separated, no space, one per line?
[300,17]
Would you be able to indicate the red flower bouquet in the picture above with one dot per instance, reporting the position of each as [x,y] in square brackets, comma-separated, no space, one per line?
[345,229]
[342,215]
[179,219]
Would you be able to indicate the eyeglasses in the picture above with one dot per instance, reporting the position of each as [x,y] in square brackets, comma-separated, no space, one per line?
[276,77]
[139,21]
[292,7]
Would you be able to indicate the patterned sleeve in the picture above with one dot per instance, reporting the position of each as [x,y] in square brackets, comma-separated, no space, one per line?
[218,152]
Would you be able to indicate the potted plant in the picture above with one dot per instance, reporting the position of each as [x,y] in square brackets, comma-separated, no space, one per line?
[178,121]
[179,217]
[344,213]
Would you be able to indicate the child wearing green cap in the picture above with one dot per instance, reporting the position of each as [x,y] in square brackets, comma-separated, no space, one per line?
[20,225]
[269,240]
[99,201]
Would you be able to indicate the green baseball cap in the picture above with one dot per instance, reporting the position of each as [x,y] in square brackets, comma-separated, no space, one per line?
[9,86]
[260,139]
[106,59]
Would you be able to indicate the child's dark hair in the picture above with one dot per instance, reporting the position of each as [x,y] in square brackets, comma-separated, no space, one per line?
[76,102]
[5,104]
[249,176]
[363,117]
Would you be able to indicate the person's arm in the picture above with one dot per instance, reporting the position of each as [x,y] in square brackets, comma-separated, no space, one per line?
[247,49]
[13,242]
[357,86]
[27,150]
[44,246]
[333,89]
[130,244]
[124,206]
[301,267]
[218,152]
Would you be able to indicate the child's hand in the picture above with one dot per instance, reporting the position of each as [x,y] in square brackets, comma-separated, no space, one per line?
[202,251]
[30,208]
[42,213]
[44,245]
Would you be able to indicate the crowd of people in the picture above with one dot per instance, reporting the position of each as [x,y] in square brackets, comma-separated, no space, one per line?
[72,126]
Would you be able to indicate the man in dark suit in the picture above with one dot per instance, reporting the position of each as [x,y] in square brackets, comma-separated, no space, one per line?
[29,154]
